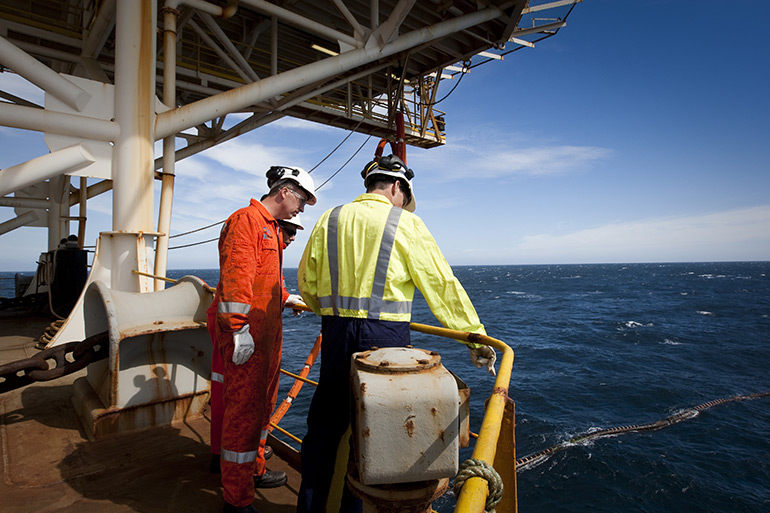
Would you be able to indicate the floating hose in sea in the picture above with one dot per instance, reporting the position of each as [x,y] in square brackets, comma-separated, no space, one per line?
[535,459]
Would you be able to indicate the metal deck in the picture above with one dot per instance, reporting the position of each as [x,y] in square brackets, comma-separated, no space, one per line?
[49,465]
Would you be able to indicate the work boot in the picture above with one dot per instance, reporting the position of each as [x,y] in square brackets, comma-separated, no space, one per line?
[229,508]
[270,479]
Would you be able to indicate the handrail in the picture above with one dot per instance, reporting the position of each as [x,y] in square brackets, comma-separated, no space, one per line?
[474,493]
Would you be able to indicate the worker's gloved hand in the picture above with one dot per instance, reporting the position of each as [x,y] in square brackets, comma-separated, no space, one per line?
[295,300]
[244,345]
[484,356]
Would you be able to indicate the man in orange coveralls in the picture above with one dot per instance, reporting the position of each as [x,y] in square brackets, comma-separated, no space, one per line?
[248,330]
[288,228]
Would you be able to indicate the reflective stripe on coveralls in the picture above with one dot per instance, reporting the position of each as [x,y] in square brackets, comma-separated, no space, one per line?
[239,457]
[241,308]
[375,304]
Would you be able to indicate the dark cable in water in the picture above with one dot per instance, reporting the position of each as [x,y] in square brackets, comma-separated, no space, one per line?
[536,458]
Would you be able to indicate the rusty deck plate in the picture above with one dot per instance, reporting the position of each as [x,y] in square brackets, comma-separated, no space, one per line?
[48,464]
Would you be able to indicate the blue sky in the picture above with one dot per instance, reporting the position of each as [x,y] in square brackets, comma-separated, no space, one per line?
[640,133]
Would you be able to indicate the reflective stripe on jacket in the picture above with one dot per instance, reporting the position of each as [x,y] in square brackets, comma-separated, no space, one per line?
[381,252]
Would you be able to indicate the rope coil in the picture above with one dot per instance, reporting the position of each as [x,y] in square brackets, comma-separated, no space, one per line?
[478,468]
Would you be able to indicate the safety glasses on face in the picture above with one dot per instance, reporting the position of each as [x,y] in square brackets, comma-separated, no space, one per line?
[301,198]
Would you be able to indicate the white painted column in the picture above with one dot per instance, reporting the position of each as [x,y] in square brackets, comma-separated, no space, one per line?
[133,157]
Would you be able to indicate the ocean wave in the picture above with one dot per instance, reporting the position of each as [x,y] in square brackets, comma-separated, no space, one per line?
[635,324]
[704,312]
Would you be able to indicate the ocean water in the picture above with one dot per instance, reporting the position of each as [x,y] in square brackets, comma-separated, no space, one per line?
[599,346]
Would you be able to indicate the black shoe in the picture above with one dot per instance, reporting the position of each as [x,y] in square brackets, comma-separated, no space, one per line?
[229,508]
[268,452]
[270,479]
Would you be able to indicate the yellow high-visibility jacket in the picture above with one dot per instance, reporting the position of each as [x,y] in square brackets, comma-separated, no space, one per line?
[364,260]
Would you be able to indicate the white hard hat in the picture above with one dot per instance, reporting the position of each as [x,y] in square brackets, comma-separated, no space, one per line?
[294,221]
[391,165]
[296,175]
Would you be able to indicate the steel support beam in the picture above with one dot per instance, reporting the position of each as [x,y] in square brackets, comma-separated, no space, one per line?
[42,76]
[185,117]
[42,168]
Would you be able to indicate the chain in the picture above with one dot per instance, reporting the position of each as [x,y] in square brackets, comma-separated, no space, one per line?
[67,358]
[26,302]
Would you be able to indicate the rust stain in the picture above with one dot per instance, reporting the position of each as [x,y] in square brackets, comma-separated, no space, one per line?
[433,411]
[363,389]
[367,433]
[500,391]
[441,435]
[409,426]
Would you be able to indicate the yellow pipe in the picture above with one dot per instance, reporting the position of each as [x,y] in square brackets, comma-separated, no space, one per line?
[299,377]
[140,273]
[279,428]
[475,491]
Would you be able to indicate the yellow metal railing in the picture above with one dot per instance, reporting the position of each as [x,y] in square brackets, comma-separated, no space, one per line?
[474,493]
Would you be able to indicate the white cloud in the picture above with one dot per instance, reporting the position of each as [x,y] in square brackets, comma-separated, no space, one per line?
[486,158]
[290,123]
[250,157]
[193,167]
[742,234]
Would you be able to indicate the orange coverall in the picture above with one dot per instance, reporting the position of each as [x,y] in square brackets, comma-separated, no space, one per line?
[249,292]
[217,378]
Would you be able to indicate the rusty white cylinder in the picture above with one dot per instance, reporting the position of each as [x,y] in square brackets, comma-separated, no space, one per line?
[406,416]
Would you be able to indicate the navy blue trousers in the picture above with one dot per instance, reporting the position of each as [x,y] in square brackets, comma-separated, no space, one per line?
[329,414]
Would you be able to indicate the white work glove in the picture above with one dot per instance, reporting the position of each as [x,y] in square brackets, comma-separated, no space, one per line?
[295,300]
[244,345]
[484,356]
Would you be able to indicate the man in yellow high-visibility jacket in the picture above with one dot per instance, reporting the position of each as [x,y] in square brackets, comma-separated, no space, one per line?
[359,270]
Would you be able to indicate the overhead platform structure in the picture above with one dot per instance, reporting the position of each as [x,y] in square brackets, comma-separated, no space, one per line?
[225,45]
[110,93]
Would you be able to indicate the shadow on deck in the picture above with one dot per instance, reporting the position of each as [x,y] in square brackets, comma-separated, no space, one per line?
[48,464]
